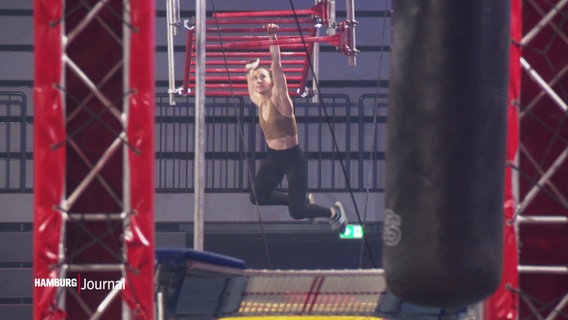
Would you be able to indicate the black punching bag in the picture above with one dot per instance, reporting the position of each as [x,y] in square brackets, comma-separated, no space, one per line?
[447,120]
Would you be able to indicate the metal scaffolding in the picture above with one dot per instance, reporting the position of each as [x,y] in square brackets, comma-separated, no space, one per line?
[542,207]
[93,226]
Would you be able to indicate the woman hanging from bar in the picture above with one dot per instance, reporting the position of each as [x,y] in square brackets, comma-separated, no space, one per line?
[268,90]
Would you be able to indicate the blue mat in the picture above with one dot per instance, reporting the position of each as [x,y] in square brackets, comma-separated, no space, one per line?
[181,255]
[191,292]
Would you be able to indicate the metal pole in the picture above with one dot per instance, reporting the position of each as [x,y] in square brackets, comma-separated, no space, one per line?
[170,42]
[332,24]
[529,197]
[557,310]
[199,160]
[544,269]
[352,23]
[543,22]
[315,61]
[536,77]
[542,219]
[315,64]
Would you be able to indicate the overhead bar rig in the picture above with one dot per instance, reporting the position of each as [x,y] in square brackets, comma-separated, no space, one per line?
[234,38]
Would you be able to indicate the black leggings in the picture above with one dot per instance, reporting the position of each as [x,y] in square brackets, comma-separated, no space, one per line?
[292,163]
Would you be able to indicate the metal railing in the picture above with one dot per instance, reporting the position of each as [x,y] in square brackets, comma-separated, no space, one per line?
[234,143]
[15,149]
[351,157]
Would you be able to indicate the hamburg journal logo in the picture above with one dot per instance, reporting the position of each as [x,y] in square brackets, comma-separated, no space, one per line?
[81,284]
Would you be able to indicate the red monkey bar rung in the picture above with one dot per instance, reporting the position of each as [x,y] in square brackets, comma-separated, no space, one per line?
[319,10]
[255,29]
[257,22]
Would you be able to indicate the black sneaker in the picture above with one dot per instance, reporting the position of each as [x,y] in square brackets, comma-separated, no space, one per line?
[339,221]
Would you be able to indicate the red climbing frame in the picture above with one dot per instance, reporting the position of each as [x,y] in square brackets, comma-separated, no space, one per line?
[234,38]
[93,159]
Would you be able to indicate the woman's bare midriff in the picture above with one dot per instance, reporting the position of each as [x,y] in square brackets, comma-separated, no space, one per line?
[282,143]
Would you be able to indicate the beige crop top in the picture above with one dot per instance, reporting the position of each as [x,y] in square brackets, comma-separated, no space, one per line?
[277,125]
